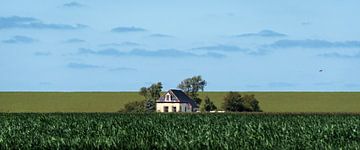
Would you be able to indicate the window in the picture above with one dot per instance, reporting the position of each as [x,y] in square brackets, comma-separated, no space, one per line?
[168,97]
[166,109]
[185,109]
[174,109]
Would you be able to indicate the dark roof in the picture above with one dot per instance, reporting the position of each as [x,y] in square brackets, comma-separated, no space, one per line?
[181,96]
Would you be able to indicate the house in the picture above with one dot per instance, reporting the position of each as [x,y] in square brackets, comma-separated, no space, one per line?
[176,101]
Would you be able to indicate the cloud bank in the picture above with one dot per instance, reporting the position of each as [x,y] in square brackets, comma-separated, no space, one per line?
[33,23]
[263,33]
[121,44]
[309,43]
[165,53]
[73,4]
[42,53]
[221,47]
[160,35]
[128,29]
[339,55]
[74,40]
[82,66]
[18,39]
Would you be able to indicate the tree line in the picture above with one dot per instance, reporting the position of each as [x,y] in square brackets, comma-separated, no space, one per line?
[233,101]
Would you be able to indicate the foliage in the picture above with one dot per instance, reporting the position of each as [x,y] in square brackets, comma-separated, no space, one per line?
[251,103]
[150,105]
[191,86]
[233,101]
[197,100]
[179,131]
[135,106]
[208,104]
[151,94]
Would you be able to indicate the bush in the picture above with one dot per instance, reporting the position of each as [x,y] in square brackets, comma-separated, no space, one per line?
[151,94]
[208,104]
[136,106]
[233,101]
[251,103]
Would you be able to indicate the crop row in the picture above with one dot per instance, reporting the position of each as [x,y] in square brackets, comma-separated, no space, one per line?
[179,131]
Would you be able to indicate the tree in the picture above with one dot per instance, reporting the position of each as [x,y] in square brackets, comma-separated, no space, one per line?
[136,106]
[251,103]
[233,101]
[150,105]
[191,86]
[208,104]
[151,94]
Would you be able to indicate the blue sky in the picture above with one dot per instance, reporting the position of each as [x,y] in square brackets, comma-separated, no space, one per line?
[108,45]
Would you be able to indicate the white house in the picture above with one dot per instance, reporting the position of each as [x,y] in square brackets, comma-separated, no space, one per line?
[176,101]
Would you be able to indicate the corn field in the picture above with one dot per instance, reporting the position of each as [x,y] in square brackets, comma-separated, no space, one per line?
[179,131]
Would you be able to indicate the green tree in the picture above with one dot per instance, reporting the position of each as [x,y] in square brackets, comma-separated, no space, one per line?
[251,103]
[191,86]
[136,106]
[151,94]
[208,104]
[233,101]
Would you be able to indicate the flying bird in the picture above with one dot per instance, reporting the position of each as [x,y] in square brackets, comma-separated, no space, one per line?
[321,70]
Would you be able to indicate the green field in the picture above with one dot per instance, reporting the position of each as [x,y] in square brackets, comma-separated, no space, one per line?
[179,131]
[113,101]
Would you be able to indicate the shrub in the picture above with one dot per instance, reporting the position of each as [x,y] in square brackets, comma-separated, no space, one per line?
[233,101]
[136,106]
[208,104]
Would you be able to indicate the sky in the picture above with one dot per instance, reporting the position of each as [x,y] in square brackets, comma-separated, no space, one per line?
[235,45]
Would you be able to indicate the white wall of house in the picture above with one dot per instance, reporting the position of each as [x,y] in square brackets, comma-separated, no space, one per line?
[180,107]
[160,107]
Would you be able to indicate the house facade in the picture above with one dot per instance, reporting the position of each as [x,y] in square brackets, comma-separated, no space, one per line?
[175,101]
